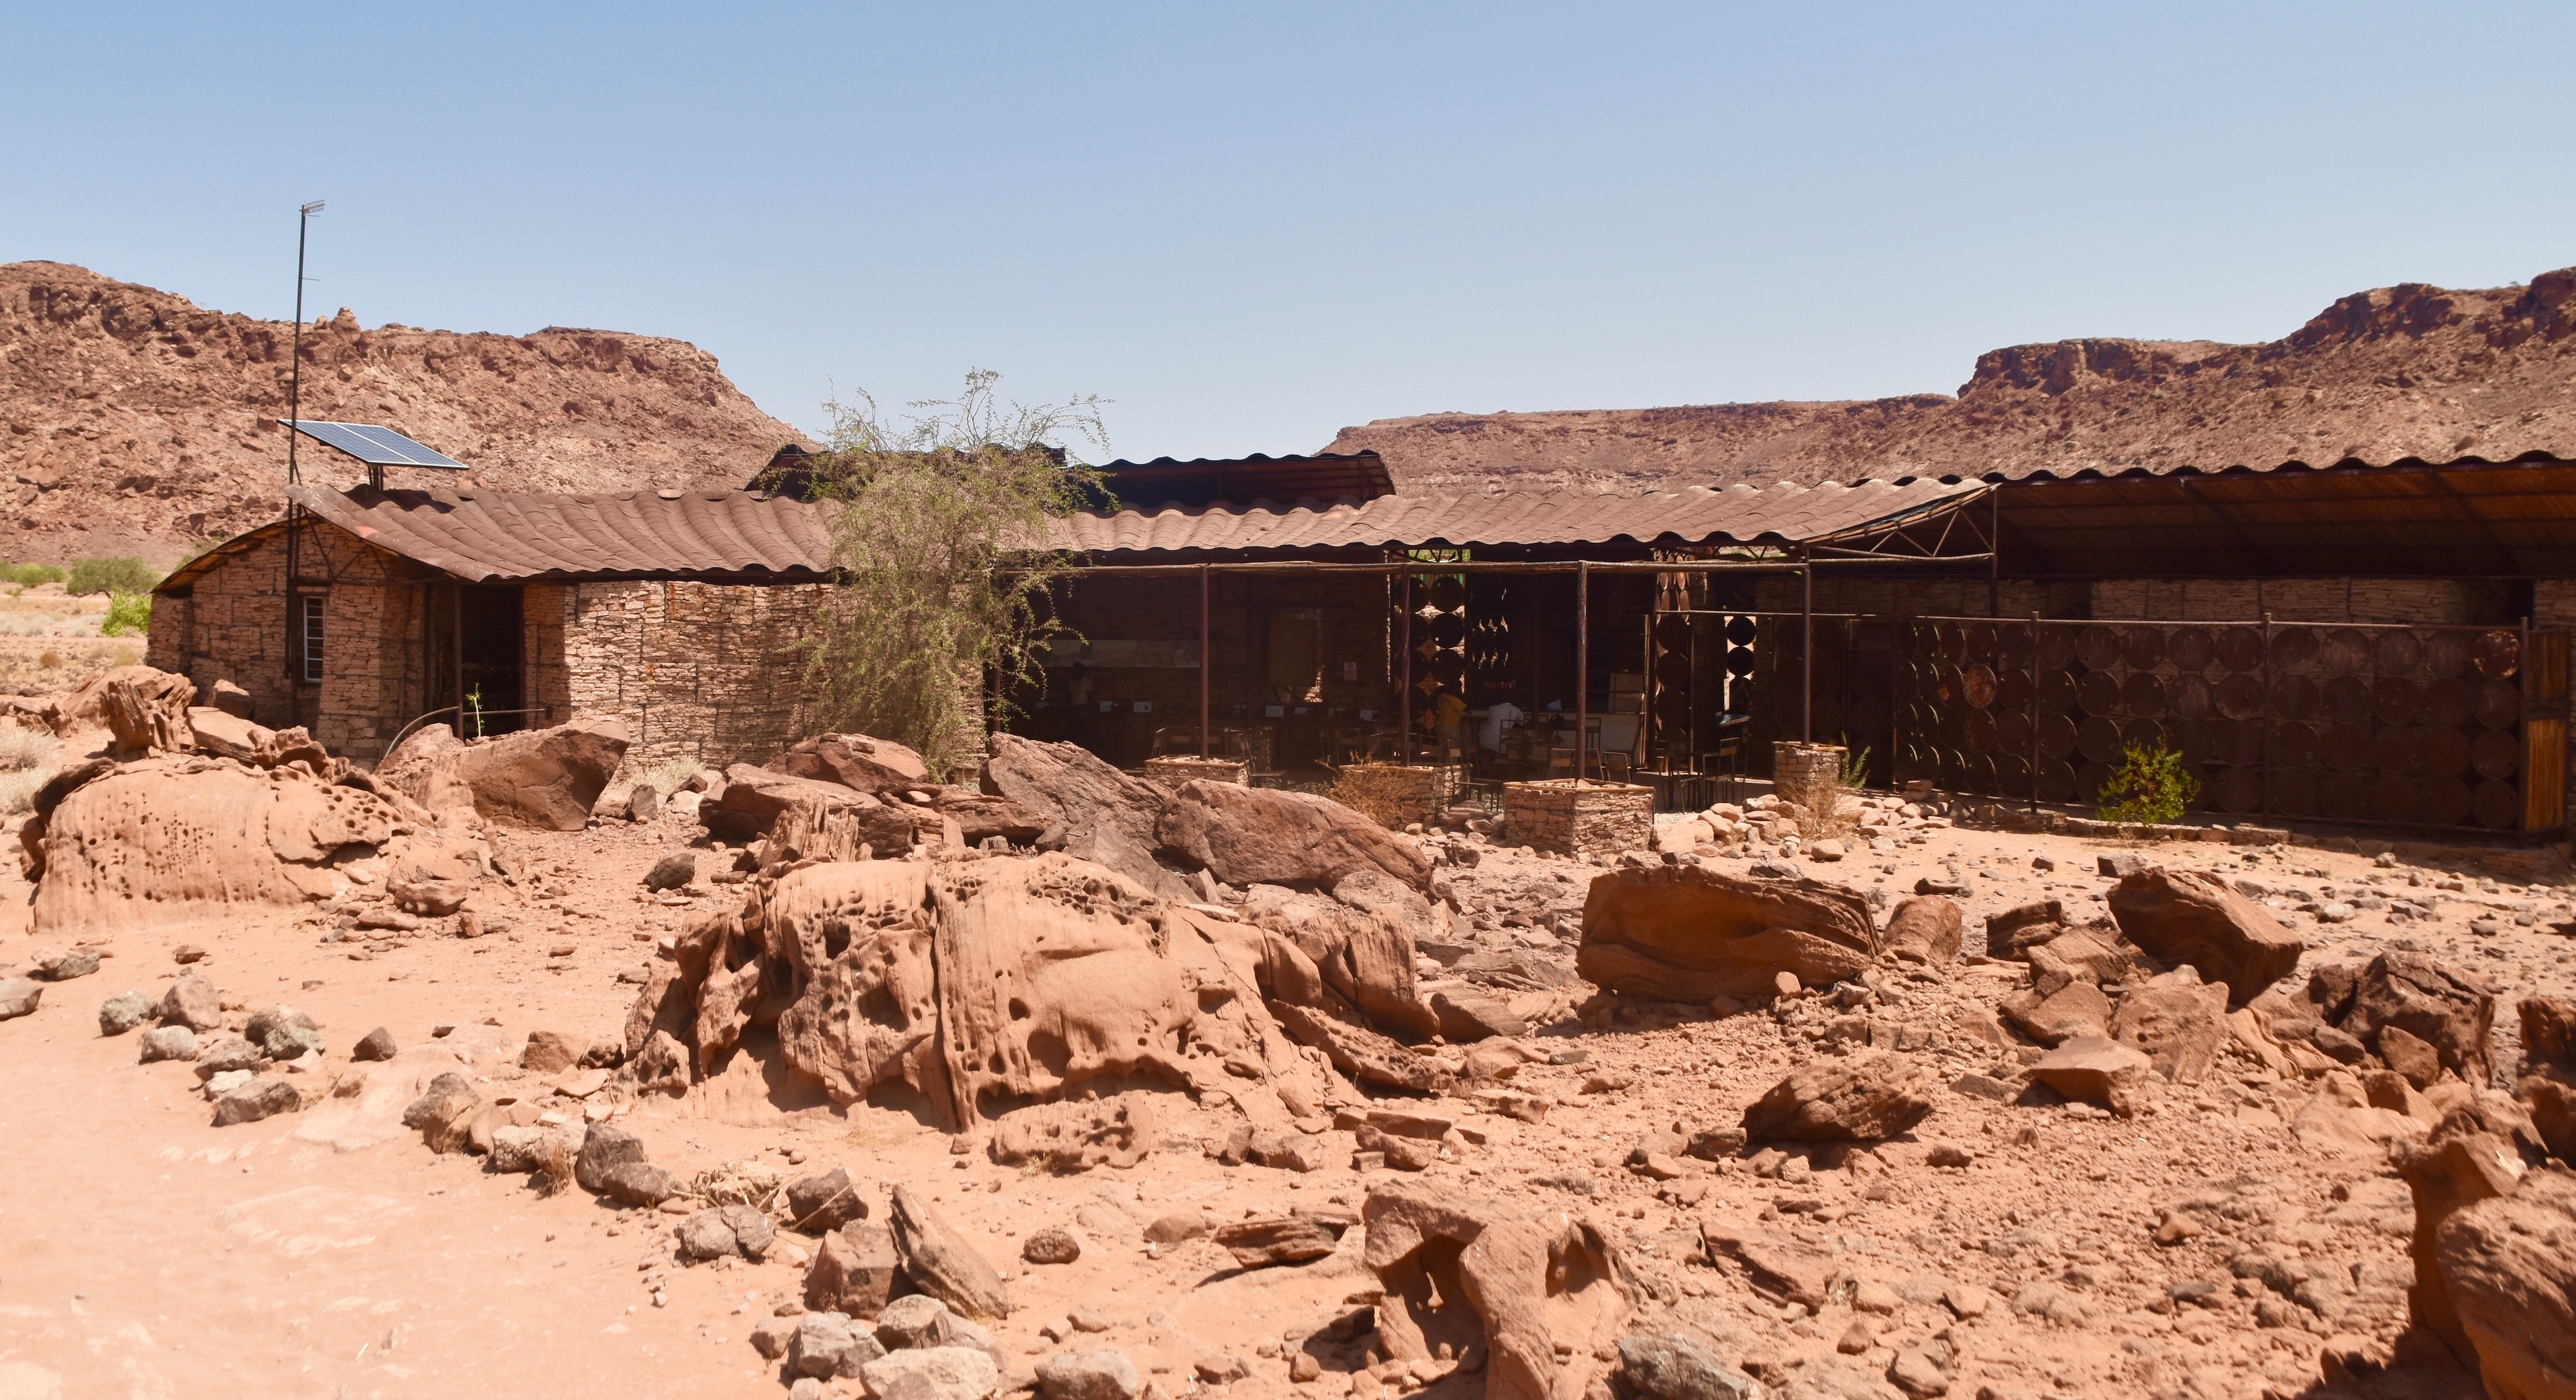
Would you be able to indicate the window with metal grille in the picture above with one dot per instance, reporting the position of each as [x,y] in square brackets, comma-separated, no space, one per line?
[312,639]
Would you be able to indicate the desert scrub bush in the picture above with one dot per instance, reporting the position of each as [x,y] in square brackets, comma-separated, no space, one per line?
[111,576]
[26,761]
[30,575]
[1385,793]
[128,615]
[940,563]
[2150,786]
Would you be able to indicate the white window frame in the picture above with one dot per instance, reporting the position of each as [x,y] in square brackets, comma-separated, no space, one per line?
[312,636]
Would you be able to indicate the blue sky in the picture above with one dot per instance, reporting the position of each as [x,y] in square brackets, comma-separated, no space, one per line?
[1251,225]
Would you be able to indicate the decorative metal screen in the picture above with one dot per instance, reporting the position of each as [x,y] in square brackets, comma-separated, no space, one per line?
[2405,725]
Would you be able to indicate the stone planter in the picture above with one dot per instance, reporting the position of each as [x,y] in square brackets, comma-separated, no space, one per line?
[1394,794]
[1171,772]
[1595,818]
[1809,775]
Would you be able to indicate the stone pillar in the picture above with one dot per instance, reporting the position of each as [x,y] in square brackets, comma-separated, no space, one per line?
[1807,774]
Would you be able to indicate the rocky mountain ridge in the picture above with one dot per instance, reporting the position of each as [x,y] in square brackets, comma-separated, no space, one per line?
[134,421]
[2404,371]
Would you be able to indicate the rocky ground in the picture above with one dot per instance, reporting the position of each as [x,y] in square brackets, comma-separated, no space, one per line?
[2010,1243]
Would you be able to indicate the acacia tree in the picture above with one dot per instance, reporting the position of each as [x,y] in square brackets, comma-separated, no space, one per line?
[944,557]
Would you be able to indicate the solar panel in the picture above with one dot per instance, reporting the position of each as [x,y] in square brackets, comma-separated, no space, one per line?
[376,446]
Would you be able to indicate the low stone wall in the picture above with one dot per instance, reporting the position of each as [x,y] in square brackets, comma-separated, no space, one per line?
[1395,794]
[1593,819]
[1172,772]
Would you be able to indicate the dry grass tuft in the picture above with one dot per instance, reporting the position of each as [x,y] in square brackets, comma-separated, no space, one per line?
[1382,792]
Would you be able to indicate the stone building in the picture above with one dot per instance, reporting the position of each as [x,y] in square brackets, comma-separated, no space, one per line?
[367,611]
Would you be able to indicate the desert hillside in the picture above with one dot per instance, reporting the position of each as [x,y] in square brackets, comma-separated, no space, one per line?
[135,421]
[2404,371]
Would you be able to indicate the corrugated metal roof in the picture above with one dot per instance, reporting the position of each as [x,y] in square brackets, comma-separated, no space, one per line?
[507,536]
[1781,514]
[2464,519]
[1203,481]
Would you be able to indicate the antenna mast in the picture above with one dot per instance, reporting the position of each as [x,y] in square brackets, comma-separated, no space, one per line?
[295,364]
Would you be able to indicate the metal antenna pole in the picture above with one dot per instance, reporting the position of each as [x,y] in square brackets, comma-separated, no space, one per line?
[295,364]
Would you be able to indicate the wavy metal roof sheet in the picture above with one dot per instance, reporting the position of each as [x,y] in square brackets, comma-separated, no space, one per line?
[1780,514]
[504,536]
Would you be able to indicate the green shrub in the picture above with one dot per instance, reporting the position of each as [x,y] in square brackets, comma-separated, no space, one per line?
[111,576]
[30,575]
[2151,786]
[128,615]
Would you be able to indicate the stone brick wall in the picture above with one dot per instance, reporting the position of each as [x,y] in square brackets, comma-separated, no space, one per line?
[233,625]
[1595,819]
[710,671]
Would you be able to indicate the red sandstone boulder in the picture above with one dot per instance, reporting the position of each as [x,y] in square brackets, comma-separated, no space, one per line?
[2185,916]
[2179,1022]
[541,778]
[2100,1071]
[2509,1266]
[755,798]
[1248,836]
[854,761]
[1541,1296]
[1090,809]
[2406,1002]
[1694,933]
[177,839]
[1926,929]
[1861,1098]
[148,709]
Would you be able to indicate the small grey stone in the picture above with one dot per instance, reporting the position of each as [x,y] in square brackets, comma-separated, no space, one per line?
[193,1002]
[228,1081]
[824,1201]
[637,1183]
[275,1029]
[913,1320]
[167,1043]
[18,997]
[124,1011]
[718,1231]
[377,1044]
[671,872]
[1221,1368]
[830,1344]
[69,966]
[643,803]
[254,1099]
[607,1146]
[421,1110]
[1667,1367]
[229,1053]
[1090,1375]
[932,1373]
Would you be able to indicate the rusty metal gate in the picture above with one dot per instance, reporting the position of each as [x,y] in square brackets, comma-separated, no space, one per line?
[2403,725]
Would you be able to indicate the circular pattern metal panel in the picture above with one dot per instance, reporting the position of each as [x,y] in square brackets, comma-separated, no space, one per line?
[2447,801]
[2190,696]
[2236,790]
[2195,741]
[2344,651]
[2395,750]
[2145,734]
[2495,754]
[2294,697]
[2396,700]
[2398,653]
[2446,654]
[2056,780]
[2347,746]
[1672,631]
[2142,646]
[2348,700]
[2240,696]
[2098,647]
[1981,642]
[2012,774]
[2293,746]
[2089,781]
[2446,753]
[2014,645]
[2292,791]
[2396,798]
[2098,738]
[1740,631]
[2292,648]
[2498,704]
[2057,736]
[2496,655]
[2098,693]
[1673,670]
[2345,796]
[2014,690]
[2240,648]
[1979,731]
[2013,732]
[1739,662]
[2057,692]
[2449,702]
[2191,649]
[2143,693]
[2496,805]
[2056,648]
[1978,685]
[2240,743]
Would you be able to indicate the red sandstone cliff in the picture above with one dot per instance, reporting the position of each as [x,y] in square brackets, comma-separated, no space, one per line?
[134,421]
[2405,371]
